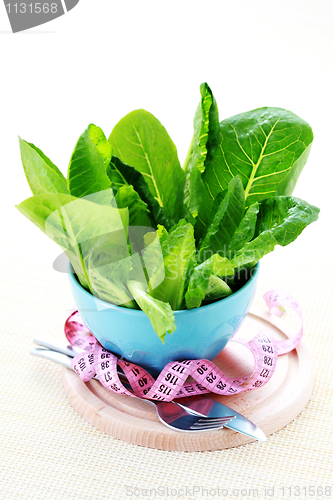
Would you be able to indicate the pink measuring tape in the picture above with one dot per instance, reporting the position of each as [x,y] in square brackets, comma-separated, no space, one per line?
[171,382]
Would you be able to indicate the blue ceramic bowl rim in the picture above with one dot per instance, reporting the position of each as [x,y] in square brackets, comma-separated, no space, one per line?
[254,271]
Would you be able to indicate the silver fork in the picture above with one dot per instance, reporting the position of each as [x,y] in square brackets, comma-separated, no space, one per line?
[170,414]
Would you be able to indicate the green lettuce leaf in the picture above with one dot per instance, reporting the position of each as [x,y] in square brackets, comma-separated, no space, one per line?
[153,257]
[205,141]
[108,284]
[115,176]
[200,279]
[87,170]
[217,289]
[178,248]
[280,221]
[77,226]
[109,266]
[245,231]
[38,208]
[160,313]
[42,175]
[102,144]
[122,174]
[266,147]
[141,141]
[138,210]
[228,215]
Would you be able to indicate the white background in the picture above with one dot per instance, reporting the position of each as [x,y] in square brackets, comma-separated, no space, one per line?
[105,58]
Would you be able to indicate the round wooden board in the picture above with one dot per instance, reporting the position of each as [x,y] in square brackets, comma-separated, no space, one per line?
[270,407]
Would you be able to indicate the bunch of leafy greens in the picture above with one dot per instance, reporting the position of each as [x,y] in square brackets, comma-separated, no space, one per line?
[196,231]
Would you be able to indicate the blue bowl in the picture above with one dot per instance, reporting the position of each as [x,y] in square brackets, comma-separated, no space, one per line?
[201,333]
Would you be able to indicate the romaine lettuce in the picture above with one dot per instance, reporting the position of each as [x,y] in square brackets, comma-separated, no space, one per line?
[142,232]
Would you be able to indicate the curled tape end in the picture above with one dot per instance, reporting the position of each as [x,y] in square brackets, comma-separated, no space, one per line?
[276,311]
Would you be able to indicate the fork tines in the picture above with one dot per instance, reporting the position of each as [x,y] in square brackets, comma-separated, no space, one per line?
[211,423]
